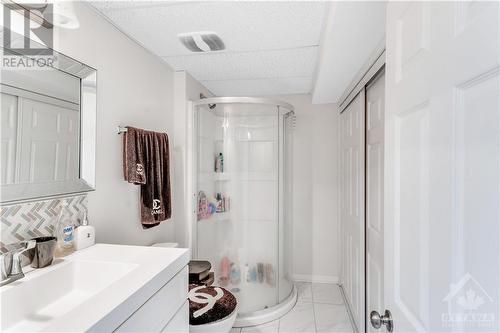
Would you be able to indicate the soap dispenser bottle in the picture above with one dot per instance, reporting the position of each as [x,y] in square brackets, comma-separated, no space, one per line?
[64,231]
[84,234]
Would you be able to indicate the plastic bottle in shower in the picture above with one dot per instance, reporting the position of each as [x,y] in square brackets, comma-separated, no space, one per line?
[219,163]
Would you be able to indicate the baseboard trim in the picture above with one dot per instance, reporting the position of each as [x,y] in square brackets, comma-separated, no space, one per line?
[315,278]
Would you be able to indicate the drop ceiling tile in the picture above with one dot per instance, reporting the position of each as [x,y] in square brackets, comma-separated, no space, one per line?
[271,47]
[260,87]
[243,26]
[127,5]
[247,65]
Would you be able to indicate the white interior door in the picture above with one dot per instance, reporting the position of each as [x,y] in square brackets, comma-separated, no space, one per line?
[352,201]
[442,180]
[375,105]
[49,142]
[9,139]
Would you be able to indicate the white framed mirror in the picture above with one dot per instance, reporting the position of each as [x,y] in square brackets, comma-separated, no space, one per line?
[48,130]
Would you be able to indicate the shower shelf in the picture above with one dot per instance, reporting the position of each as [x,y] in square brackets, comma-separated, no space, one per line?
[208,177]
[214,177]
[221,177]
[217,217]
[226,176]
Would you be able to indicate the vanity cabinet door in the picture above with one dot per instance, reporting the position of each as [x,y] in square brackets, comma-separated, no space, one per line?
[159,310]
[180,322]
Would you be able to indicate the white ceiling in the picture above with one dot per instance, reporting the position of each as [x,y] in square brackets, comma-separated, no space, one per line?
[353,31]
[271,47]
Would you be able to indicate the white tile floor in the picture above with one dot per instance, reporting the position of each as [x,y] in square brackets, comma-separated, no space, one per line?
[319,309]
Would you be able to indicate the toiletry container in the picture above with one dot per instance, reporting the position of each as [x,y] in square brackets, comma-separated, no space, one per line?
[64,231]
[43,253]
[219,163]
[84,235]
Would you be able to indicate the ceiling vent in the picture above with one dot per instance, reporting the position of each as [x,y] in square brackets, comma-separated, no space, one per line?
[202,41]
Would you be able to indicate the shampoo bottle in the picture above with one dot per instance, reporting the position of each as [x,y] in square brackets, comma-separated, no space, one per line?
[219,163]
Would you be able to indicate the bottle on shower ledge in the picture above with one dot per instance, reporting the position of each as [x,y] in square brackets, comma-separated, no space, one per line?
[219,163]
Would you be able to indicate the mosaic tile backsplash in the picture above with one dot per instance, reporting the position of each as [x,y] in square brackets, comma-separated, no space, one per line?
[34,219]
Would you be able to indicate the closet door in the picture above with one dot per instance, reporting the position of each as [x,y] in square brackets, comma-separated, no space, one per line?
[352,203]
[375,107]
[442,224]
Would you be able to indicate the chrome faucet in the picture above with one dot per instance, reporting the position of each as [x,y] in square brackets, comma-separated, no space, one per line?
[11,268]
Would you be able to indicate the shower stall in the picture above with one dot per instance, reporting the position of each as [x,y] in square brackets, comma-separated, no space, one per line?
[242,216]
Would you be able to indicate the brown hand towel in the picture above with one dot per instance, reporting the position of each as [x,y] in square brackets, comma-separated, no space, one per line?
[146,163]
[133,156]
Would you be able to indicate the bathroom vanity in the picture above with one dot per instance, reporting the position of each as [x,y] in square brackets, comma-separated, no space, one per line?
[104,288]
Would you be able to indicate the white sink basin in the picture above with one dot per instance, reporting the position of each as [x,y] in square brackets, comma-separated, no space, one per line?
[80,291]
[40,300]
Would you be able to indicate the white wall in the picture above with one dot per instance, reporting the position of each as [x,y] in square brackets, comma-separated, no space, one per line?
[315,218]
[186,89]
[134,88]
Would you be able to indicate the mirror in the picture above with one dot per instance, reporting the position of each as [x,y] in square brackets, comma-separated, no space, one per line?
[48,130]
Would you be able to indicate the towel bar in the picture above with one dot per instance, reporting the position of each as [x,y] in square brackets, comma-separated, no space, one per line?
[121,129]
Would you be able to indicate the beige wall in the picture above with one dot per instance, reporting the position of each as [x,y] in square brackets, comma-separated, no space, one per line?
[134,88]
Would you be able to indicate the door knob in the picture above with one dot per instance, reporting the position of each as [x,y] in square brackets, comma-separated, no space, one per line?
[377,320]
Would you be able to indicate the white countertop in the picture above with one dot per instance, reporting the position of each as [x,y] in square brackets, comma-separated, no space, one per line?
[96,289]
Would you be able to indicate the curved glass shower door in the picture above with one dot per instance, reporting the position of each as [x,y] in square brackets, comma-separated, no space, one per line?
[241,180]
